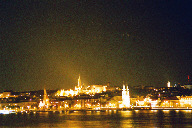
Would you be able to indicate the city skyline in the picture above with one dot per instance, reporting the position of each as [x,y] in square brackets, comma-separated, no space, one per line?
[51,43]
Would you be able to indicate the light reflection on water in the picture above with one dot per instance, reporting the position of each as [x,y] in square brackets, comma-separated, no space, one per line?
[108,119]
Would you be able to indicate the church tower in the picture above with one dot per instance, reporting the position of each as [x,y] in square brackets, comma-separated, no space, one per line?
[125,97]
[45,103]
[168,84]
[79,81]
[78,87]
[45,99]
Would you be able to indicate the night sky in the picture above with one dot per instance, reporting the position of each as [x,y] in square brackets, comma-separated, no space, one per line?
[49,43]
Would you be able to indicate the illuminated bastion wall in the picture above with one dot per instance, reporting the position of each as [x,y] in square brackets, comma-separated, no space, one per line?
[91,89]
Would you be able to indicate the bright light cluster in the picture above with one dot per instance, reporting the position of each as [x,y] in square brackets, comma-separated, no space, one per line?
[91,90]
[125,97]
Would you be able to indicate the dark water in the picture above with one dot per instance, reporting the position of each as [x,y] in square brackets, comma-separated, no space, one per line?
[121,119]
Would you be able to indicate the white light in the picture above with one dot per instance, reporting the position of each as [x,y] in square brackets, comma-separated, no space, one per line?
[4,111]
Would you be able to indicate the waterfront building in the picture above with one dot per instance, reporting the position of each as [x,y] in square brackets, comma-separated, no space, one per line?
[28,105]
[114,102]
[170,102]
[185,101]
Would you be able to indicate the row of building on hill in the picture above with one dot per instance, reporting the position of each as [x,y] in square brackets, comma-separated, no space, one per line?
[97,97]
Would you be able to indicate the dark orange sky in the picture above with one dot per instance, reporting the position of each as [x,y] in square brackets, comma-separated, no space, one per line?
[51,43]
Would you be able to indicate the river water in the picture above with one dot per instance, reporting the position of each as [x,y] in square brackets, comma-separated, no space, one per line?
[108,119]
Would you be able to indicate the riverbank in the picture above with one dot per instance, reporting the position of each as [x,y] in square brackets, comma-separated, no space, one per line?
[94,110]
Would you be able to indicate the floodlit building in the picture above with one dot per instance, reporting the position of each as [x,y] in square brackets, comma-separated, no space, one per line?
[186,101]
[7,94]
[45,103]
[78,88]
[90,89]
[168,84]
[125,97]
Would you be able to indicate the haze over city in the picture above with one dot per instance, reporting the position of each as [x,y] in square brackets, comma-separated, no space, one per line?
[48,44]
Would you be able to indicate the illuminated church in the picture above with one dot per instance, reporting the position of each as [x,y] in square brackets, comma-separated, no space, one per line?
[125,97]
[79,86]
[45,103]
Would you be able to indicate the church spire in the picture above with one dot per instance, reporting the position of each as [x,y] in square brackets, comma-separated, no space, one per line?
[79,81]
